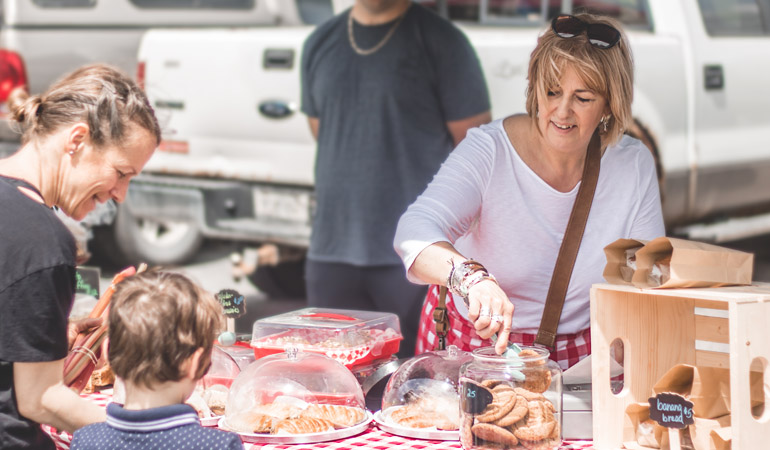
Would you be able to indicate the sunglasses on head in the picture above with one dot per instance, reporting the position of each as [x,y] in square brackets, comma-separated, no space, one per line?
[599,35]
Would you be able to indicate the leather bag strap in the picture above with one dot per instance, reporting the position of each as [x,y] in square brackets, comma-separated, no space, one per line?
[441,319]
[562,272]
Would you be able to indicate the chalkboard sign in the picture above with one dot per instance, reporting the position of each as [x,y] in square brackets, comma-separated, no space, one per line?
[671,410]
[474,397]
[233,303]
[87,281]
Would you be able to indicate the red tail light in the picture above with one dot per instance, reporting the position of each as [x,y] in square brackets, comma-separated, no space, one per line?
[12,73]
[140,74]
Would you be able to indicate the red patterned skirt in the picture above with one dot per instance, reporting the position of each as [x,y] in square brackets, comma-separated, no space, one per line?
[570,348]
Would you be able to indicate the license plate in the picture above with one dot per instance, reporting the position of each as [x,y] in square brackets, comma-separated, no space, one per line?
[291,206]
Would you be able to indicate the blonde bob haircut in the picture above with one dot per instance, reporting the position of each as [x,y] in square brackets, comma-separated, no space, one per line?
[157,320]
[608,72]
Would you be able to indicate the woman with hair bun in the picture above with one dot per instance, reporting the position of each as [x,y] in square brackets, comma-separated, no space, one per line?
[82,141]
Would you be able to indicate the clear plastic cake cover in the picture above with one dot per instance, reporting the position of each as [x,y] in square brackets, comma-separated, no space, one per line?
[210,395]
[351,337]
[278,393]
[424,391]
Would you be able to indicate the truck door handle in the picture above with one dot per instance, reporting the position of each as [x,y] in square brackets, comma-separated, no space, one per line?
[713,77]
[276,109]
[278,58]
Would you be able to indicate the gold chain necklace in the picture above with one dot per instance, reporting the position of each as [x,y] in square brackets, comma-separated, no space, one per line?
[379,45]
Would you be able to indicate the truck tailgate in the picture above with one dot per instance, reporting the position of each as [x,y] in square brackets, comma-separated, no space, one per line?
[208,86]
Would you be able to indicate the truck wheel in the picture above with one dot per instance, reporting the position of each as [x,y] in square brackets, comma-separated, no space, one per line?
[155,242]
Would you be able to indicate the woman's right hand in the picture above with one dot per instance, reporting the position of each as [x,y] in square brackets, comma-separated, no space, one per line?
[491,312]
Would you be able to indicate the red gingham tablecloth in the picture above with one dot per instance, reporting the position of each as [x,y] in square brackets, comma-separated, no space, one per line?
[373,438]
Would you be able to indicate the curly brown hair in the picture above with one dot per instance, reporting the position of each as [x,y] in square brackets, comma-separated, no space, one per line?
[157,320]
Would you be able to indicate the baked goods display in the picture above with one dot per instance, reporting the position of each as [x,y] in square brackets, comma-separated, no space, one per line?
[510,403]
[295,397]
[516,418]
[277,419]
[350,337]
[421,399]
[210,395]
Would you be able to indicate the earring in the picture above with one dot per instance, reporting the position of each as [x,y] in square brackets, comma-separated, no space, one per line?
[604,121]
[72,152]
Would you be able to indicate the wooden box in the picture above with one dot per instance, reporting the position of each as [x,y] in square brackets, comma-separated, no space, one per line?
[718,327]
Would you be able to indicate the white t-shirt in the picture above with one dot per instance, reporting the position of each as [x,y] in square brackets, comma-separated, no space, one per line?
[493,208]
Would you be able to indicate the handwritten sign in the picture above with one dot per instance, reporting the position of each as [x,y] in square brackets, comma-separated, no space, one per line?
[671,410]
[87,281]
[474,397]
[233,303]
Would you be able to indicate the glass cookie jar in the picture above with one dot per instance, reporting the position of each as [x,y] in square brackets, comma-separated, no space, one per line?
[510,403]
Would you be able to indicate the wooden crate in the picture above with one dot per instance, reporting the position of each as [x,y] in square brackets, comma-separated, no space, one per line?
[719,327]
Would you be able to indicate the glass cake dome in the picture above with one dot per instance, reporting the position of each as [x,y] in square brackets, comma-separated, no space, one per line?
[291,387]
[424,391]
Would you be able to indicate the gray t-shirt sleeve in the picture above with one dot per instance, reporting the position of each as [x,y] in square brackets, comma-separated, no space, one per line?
[460,81]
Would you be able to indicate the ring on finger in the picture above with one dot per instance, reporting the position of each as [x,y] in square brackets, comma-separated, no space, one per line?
[485,312]
[496,318]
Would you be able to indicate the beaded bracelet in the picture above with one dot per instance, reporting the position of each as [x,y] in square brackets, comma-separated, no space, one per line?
[465,275]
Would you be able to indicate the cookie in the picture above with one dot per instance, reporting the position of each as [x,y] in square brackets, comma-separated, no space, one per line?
[537,376]
[547,444]
[502,403]
[466,435]
[518,412]
[493,433]
[538,425]
[489,384]
[529,395]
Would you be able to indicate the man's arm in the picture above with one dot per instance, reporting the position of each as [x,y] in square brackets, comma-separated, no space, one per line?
[313,121]
[458,128]
[42,396]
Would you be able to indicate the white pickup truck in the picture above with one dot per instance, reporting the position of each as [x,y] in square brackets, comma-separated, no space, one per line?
[237,156]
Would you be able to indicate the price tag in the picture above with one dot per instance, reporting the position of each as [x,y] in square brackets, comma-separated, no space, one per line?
[671,410]
[233,303]
[474,397]
[87,281]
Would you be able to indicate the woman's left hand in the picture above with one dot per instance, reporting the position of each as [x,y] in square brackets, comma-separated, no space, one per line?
[491,312]
[76,327]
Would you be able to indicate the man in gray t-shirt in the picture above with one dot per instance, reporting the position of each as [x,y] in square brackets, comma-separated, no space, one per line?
[389,89]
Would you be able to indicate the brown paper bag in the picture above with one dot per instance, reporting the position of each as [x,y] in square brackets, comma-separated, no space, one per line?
[700,431]
[722,438]
[649,434]
[617,270]
[708,388]
[693,264]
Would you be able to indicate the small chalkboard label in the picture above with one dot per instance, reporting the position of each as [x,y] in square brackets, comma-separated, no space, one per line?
[474,398]
[87,281]
[233,303]
[671,410]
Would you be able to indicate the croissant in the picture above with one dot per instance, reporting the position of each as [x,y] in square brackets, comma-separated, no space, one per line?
[279,410]
[415,417]
[251,422]
[303,425]
[341,416]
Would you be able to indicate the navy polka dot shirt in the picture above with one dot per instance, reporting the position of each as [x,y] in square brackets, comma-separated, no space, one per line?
[165,428]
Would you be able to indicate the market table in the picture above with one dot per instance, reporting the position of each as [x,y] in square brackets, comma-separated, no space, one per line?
[372,438]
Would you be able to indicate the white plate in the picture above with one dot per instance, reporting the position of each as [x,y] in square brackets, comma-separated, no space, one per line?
[308,438]
[210,421]
[417,433]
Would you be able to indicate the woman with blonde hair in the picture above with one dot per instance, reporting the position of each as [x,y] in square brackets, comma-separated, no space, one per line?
[82,141]
[505,195]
